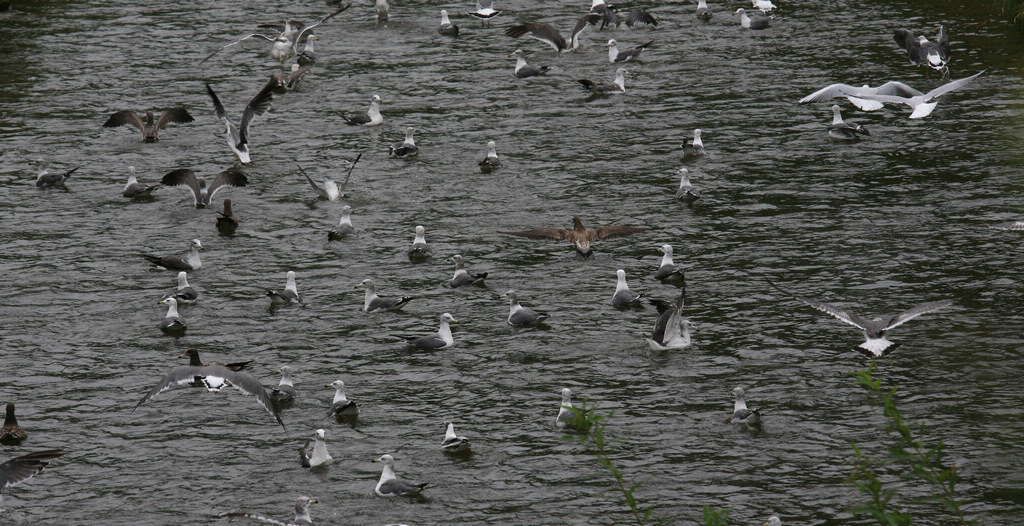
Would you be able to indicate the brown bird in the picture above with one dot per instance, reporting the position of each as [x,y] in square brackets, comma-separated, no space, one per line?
[227,223]
[148,128]
[11,432]
[579,235]
[193,360]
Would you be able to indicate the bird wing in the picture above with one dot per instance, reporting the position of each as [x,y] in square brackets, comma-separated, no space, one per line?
[248,385]
[218,108]
[432,341]
[180,375]
[400,487]
[256,517]
[183,176]
[943,42]
[320,191]
[230,177]
[178,115]
[950,86]
[239,41]
[905,39]
[608,16]
[543,32]
[607,232]
[125,117]
[925,308]
[830,92]
[897,88]
[639,16]
[557,234]
[305,31]
[831,310]
[296,77]
[583,22]
[20,469]
[257,106]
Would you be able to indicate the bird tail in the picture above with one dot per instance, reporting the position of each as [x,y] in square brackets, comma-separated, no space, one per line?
[589,84]
[152,259]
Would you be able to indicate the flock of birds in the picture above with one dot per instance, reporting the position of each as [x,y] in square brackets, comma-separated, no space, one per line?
[293,40]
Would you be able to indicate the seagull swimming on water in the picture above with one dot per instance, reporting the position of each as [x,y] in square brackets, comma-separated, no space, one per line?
[615,56]
[617,86]
[440,340]
[285,390]
[419,250]
[922,51]
[844,130]
[462,277]
[875,329]
[703,12]
[565,414]
[344,228]
[45,179]
[184,293]
[314,453]
[672,331]
[693,148]
[341,406]
[580,236]
[740,413]
[748,23]
[453,443]
[491,161]
[290,294]
[406,148]
[374,303]
[189,261]
[521,316]
[20,469]
[172,322]
[227,223]
[524,70]
[623,297]
[202,193]
[372,116]
[447,28]
[668,270]
[391,486]
[147,127]
[133,189]
[686,191]
[238,140]
[302,517]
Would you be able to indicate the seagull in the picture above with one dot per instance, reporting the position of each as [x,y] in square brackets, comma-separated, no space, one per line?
[686,191]
[301,514]
[406,148]
[341,406]
[314,453]
[615,56]
[147,127]
[579,236]
[391,486]
[202,193]
[226,222]
[372,116]
[462,277]
[549,35]
[1011,225]
[624,297]
[565,411]
[374,303]
[184,293]
[215,377]
[922,51]
[842,130]
[668,270]
[453,443]
[45,179]
[344,227]
[289,295]
[419,249]
[172,323]
[703,12]
[491,161]
[672,332]
[133,190]
[639,16]
[747,23]
[283,46]
[447,28]
[195,361]
[484,10]
[289,29]
[308,55]
[285,390]
[773,521]
[875,329]
[855,95]
[521,316]
[921,103]
[524,70]
[238,140]
[328,192]
[740,413]
[11,432]
[442,339]
[695,148]
[292,79]
[617,86]
[765,6]
[189,261]
[280,46]
[20,469]
[382,8]
[605,13]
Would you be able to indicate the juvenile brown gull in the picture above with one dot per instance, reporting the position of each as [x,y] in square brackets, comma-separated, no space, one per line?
[147,127]
[579,236]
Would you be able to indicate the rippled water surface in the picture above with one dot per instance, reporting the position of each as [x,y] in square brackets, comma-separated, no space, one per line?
[900,218]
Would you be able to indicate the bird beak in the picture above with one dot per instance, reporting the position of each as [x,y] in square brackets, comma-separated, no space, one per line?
[328,386]
[357,286]
[372,461]
[182,355]
[314,501]
[456,321]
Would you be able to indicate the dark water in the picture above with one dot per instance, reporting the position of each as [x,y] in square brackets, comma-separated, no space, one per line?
[900,218]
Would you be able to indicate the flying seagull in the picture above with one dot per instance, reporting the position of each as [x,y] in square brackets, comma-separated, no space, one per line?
[549,35]
[921,103]
[238,140]
[189,261]
[922,51]
[855,95]
[147,127]
[484,10]
[283,45]
[579,236]
[202,193]
[195,361]
[215,377]
[875,329]
[302,517]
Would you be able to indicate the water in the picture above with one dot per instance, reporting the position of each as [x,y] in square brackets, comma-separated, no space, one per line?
[879,225]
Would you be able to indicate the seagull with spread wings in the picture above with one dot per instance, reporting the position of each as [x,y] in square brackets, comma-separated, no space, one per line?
[580,236]
[549,35]
[20,469]
[147,127]
[203,192]
[238,140]
[283,46]
[876,328]
[920,50]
